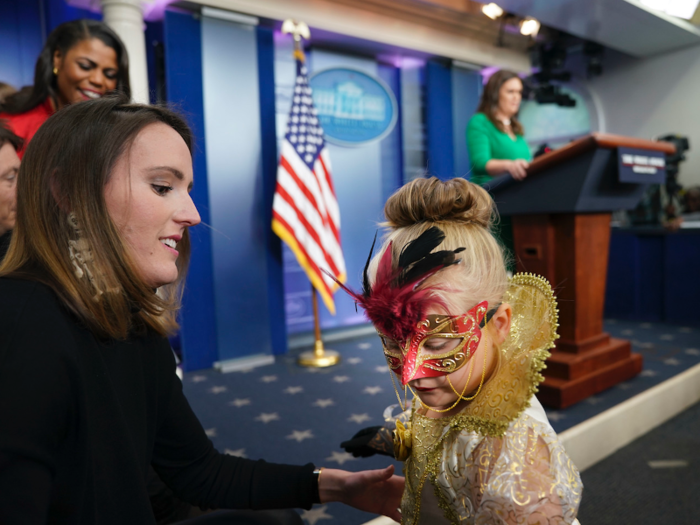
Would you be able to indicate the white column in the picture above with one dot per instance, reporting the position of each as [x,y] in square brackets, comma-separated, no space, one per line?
[125,17]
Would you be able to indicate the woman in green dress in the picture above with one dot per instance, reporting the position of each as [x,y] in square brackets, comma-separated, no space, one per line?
[495,140]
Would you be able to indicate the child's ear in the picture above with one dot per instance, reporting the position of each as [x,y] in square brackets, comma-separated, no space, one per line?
[501,323]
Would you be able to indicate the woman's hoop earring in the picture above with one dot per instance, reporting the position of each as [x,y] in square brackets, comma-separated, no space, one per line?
[55,71]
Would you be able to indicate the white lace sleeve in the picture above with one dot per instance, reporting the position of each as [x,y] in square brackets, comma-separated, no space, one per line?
[523,478]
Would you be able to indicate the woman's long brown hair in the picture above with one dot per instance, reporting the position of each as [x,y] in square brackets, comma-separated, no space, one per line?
[489,101]
[65,169]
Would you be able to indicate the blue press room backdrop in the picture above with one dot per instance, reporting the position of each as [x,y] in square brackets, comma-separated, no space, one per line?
[246,294]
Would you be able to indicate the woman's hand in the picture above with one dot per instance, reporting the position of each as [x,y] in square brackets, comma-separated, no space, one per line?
[517,168]
[376,491]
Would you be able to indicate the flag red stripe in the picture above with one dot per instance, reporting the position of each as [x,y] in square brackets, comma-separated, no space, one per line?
[309,229]
[331,222]
[309,260]
[305,190]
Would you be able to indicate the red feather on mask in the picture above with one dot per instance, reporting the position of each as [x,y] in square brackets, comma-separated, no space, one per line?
[393,303]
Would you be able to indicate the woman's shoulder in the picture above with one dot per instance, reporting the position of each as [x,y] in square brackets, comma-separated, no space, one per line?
[479,118]
[27,123]
[22,300]
[35,329]
[480,122]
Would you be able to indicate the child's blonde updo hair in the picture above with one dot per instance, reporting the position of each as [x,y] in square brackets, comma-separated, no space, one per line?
[465,213]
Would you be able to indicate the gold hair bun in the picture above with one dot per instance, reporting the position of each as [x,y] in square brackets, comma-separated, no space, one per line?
[433,200]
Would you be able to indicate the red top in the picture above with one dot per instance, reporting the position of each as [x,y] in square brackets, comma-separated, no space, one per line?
[25,124]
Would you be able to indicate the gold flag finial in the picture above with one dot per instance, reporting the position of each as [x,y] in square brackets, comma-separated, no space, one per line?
[298,30]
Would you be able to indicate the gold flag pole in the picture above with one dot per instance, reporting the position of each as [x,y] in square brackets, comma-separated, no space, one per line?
[318,357]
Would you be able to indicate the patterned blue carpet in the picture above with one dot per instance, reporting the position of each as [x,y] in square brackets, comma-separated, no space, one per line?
[285,413]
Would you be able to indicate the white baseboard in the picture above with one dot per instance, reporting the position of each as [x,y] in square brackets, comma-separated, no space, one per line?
[597,438]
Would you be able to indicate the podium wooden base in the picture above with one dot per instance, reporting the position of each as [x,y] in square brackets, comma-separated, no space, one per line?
[571,251]
[561,393]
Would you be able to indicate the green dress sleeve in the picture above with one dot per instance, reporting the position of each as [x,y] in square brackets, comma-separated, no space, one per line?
[478,142]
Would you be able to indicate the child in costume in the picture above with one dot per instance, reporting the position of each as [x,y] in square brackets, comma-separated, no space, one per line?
[469,343]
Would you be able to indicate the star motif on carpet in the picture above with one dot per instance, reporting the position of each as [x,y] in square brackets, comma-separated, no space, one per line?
[268,379]
[594,400]
[666,337]
[555,416]
[315,514]
[354,360]
[692,351]
[685,330]
[245,370]
[364,346]
[291,390]
[266,418]
[238,403]
[198,378]
[627,332]
[359,418]
[341,379]
[381,369]
[672,361]
[645,325]
[239,453]
[300,435]
[323,403]
[624,386]
[648,373]
[340,457]
[210,432]
[218,389]
[372,390]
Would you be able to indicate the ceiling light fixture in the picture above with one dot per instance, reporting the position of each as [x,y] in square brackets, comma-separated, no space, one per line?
[492,10]
[529,27]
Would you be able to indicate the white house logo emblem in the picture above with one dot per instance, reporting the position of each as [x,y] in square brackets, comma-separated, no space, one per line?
[353,107]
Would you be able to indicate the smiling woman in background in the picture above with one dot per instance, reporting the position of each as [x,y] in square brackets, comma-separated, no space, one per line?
[81,60]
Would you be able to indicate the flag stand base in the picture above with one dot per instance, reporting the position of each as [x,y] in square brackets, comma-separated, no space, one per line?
[319,357]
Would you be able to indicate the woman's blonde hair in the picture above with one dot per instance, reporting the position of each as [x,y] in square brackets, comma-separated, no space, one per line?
[61,184]
[465,213]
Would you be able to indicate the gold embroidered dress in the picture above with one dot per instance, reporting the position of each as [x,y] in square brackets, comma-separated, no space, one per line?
[498,461]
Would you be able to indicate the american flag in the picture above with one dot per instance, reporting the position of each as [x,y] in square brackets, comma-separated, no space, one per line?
[305,211]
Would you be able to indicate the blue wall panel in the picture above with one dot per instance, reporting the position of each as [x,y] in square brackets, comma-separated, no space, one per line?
[21,40]
[58,11]
[239,216]
[275,283]
[438,119]
[183,71]
[466,92]
[392,144]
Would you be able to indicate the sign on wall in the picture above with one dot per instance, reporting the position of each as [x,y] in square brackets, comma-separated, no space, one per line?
[353,107]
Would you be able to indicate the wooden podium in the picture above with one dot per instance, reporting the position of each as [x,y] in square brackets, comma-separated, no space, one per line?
[561,228]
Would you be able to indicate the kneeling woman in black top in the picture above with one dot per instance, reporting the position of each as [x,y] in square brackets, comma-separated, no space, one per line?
[88,392]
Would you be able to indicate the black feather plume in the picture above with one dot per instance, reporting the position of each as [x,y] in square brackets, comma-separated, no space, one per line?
[366,290]
[416,261]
